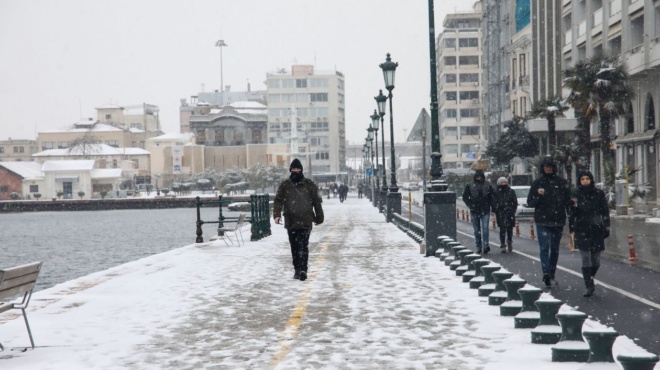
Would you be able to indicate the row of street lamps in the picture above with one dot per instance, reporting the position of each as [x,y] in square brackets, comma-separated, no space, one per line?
[390,201]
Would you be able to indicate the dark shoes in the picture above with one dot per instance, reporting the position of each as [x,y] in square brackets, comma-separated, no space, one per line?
[509,245]
[296,275]
[486,250]
[303,275]
[478,250]
[503,249]
[588,281]
[546,280]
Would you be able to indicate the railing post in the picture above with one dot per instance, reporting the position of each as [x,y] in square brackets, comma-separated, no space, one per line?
[267,213]
[199,238]
[220,218]
[254,215]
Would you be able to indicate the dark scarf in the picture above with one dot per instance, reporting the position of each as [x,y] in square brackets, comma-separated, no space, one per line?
[296,176]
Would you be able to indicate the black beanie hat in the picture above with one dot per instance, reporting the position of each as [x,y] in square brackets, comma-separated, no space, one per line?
[296,164]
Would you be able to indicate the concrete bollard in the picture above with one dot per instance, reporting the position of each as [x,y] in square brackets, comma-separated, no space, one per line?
[498,296]
[478,278]
[461,262]
[513,305]
[600,344]
[488,286]
[631,245]
[453,257]
[471,272]
[638,361]
[548,330]
[571,346]
[529,315]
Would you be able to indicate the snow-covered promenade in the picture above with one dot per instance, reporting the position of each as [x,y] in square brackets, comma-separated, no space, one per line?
[371,302]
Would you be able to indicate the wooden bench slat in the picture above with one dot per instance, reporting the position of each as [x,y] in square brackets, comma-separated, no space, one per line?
[16,289]
[6,306]
[22,270]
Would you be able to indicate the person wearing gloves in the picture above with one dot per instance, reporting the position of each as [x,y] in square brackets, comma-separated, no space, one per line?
[505,203]
[478,196]
[550,196]
[298,199]
[589,222]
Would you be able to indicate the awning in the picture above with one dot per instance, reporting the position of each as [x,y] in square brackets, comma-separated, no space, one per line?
[637,137]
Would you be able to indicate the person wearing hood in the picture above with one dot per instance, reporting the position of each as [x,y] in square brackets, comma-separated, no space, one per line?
[478,196]
[589,222]
[505,203]
[550,196]
[298,199]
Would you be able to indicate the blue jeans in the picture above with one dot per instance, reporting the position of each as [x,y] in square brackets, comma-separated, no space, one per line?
[549,238]
[480,225]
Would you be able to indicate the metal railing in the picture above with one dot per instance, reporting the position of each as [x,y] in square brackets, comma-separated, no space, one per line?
[259,215]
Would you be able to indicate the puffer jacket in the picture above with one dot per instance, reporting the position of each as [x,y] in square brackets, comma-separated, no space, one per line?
[478,195]
[551,208]
[590,218]
[300,203]
[505,204]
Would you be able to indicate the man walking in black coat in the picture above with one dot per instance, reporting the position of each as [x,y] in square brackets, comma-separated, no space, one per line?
[298,198]
[550,195]
[478,196]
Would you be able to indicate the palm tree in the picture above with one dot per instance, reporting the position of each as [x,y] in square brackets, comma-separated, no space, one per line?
[568,154]
[549,109]
[599,89]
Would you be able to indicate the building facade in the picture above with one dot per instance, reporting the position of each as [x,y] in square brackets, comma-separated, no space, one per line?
[306,113]
[459,53]
[17,150]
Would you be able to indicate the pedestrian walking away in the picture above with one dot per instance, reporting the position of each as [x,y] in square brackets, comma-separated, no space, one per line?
[505,204]
[360,191]
[298,200]
[550,196]
[478,196]
[589,222]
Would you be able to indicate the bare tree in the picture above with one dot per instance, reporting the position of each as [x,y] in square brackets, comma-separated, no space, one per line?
[85,145]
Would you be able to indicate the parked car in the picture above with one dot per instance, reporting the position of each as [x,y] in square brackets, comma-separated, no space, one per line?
[412,186]
[521,193]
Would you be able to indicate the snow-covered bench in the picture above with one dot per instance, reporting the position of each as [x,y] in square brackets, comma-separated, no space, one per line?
[15,282]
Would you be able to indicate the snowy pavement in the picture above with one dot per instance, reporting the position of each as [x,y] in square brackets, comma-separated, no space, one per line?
[371,302]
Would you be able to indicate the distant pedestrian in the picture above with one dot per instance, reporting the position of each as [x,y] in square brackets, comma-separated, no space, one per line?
[478,196]
[343,192]
[505,204]
[360,191]
[550,196]
[298,199]
[589,221]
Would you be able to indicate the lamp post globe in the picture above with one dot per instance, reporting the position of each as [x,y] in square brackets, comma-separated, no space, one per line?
[389,70]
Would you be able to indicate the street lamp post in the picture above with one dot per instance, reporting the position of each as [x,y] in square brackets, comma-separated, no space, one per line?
[221,44]
[370,138]
[439,204]
[365,149]
[374,125]
[393,197]
[380,103]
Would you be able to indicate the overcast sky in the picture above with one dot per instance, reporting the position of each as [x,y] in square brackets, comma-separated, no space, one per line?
[61,59]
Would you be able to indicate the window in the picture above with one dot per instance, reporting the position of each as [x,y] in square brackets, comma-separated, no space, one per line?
[469,77]
[450,95]
[4,189]
[319,97]
[301,83]
[63,145]
[468,113]
[463,24]
[318,126]
[466,148]
[469,130]
[523,67]
[318,82]
[468,43]
[451,149]
[47,145]
[2,149]
[450,61]
[450,43]
[319,140]
[113,143]
[322,155]
[523,106]
[450,113]
[469,95]
[450,78]
[514,107]
[287,84]
[468,60]
[451,131]
[108,116]
[114,163]
[513,69]
[102,163]
[34,188]
[274,84]
[136,125]
[19,149]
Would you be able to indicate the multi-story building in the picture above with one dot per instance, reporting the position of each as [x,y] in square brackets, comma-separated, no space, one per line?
[202,103]
[462,130]
[630,29]
[17,150]
[306,112]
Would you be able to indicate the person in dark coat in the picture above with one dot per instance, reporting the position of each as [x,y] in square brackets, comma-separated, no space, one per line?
[589,222]
[299,200]
[478,196]
[505,204]
[550,196]
[360,191]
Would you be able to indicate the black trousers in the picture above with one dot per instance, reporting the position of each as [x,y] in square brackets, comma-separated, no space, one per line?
[506,231]
[299,240]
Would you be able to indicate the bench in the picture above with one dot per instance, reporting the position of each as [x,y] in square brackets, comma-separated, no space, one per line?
[14,282]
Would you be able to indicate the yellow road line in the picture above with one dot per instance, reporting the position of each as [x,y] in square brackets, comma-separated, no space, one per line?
[295,320]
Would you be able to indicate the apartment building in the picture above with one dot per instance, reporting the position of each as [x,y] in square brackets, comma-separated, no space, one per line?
[17,150]
[631,29]
[459,53]
[306,113]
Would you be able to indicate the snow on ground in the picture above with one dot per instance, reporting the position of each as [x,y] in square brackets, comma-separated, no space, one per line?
[371,302]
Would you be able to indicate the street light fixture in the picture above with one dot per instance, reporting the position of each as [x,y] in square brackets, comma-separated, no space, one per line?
[380,103]
[374,126]
[389,70]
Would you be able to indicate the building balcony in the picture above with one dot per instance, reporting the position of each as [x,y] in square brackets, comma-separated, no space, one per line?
[654,53]
[540,126]
[635,59]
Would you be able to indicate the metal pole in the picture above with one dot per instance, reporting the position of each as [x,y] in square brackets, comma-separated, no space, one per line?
[393,187]
[382,136]
[436,165]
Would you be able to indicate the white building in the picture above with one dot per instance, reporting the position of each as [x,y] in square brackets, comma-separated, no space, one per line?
[315,100]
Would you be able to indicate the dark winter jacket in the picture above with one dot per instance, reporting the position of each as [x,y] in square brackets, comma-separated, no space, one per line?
[300,203]
[505,204]
[551,208]
[590,219]
[478,195]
